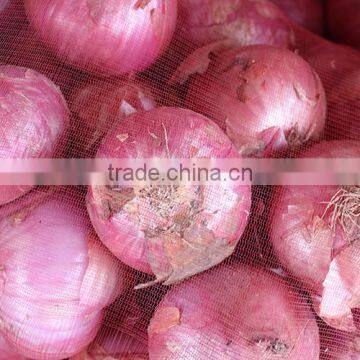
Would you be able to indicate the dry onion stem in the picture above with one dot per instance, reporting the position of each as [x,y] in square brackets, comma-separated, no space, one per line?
[344,208]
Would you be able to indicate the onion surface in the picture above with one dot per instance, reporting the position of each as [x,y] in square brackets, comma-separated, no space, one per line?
[106,36]
[233,312]
[245,22]
[55,276]
[34,120]
[267,99]
[8,353]
[172,231]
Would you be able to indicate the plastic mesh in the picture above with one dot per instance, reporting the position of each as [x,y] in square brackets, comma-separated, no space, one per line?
[277,279]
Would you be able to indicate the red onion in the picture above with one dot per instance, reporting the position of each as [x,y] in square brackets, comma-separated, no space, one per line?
[171,231]
[313,229]
[34,120]
[6,352]
[233,312]
[307,13]
[107,36]
[246,22]
[98,105]
[55,276]
[267,99]
[344,108]
[343,21]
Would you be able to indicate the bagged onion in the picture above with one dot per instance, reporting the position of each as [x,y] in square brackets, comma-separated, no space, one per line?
[55,276]
[173,231]
[34,120]
[267,99]
[108,36]
[313,230]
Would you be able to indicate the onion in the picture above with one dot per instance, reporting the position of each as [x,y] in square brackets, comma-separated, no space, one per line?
[55,276]
[108,36]
[34,120]
[246,22]
[312,230]
[268,100]
[6,352]
[96,106]
[344,108]
[123,336]
[343,21]
[307,13]
[233,312]
[171,231]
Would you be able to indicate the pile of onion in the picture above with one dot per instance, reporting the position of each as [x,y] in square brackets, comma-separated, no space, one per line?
[307,13]
[100,104]
[343,21]
[233,312]
[55,276]
[34,120]
[313,230]
[108,36]
[173,231]
[267,99]
[245,22]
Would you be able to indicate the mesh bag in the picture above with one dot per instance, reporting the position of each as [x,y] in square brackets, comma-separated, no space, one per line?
[106,253]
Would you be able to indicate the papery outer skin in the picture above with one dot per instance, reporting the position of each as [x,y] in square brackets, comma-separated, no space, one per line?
[6,352]
[226,312]
[34,120]
[343,21]
[98,106]
[56,277]
[246,22]
[344,108]
[108,36]
[307,13]
[255,90]
[187,135]
[310,249]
